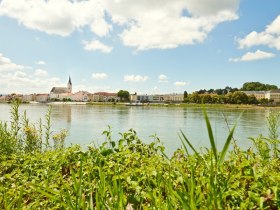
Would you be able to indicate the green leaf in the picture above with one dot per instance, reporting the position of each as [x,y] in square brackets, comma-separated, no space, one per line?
[210,134]
[226,146]
[188,142]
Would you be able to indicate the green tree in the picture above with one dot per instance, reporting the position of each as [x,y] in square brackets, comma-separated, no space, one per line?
[257,86]
[263,101]
[194,98]
[228,98]
[239,97]
[252,99]
[124,95]
[216,99]
[185,94]
[206,99]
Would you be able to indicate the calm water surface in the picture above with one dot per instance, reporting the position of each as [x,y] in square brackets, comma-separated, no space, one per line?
[86,123]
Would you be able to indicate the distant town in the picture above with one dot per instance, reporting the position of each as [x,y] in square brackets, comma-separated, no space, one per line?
[250,93]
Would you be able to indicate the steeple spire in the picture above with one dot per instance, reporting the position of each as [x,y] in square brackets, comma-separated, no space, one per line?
[69,85]
[69,81]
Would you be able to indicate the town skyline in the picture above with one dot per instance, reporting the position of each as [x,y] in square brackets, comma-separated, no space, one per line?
[153,48]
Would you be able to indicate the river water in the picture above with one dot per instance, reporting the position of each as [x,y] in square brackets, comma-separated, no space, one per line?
[85,123]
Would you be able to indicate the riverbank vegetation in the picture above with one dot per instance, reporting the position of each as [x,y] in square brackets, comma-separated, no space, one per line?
[229,95]
[38,172]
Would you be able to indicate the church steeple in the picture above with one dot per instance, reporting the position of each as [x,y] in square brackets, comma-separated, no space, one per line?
[69,85]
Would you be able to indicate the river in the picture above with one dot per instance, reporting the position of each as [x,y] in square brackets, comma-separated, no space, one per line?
[85,123]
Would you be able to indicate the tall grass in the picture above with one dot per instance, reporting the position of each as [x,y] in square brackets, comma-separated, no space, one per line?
[22,136]
[38,172]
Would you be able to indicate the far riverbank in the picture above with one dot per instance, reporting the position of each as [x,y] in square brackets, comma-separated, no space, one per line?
[181,105]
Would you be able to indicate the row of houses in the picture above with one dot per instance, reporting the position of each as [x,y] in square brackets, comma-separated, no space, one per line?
[64,94]
[81,96]
[84,96]
[272,95]
[164,98]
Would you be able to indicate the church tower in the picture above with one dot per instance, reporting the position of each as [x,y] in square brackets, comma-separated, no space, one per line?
[69,85]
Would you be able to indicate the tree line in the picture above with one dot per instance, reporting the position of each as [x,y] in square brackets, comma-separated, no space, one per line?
[229,95]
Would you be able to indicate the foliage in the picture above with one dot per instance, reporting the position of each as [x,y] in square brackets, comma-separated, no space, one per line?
[185,94]
[129,174]
[257,86]
[124,95]
[22,136]
[236,97]
[219,91]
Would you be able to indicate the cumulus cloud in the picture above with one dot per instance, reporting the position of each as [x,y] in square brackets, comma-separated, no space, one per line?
[135,78]
[41,73]
[99,76]
[93,89]
[17,78]
[211,7]
[59,17]
[96,45]
[40,62]
[141,22]
[20,74]
[250,56]
[21,82]
[180,84]
[269,37]
[7,65]
[162,78]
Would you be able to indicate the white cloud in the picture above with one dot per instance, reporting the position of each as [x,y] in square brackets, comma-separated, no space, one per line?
[60,17]
[20,74]
[181,84]
[93,89]
[250,56]
[6,65]
[96,45]
[144,24]
[22,82]
[99,76]
[162,78]
[161,23]
[41,73]
[17,78]
[100,27]
[40,62]
[211,7]
[269,37]
[135,78]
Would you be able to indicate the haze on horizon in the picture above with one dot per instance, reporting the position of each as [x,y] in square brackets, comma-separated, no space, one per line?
[148,46]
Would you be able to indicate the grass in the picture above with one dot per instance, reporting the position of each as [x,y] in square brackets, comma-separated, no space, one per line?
[38,172]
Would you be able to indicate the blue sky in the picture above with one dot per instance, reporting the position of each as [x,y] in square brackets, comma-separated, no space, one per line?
[148,46]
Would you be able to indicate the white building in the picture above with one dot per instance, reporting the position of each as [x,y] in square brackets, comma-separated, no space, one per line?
[42,97]
[273,95]
[81,96]
[258,94]
[28,98]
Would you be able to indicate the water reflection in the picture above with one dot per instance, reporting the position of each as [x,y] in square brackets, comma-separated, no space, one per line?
[62,112]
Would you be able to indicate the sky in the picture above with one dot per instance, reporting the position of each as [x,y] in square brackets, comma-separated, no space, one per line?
[143,46]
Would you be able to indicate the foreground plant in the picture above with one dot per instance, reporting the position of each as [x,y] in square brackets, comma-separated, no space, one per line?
[129,174]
